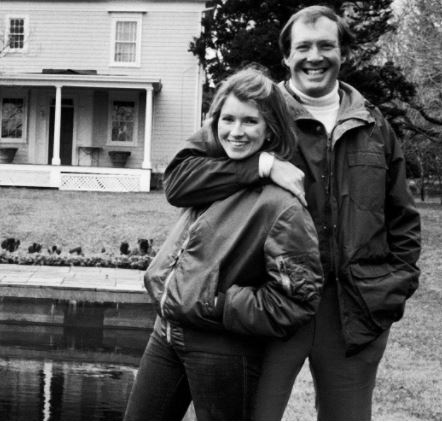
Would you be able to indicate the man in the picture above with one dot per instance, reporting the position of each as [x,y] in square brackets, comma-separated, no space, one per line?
[367,223]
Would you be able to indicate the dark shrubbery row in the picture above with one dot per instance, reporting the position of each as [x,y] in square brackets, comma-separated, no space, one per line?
[137,259]
[135,262]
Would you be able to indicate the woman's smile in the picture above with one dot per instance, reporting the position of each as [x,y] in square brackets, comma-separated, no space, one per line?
[238,144]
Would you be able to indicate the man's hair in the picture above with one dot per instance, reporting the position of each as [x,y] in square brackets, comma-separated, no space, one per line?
[252,85]
[310,15]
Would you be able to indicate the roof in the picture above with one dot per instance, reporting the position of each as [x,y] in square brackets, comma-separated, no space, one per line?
[79,80]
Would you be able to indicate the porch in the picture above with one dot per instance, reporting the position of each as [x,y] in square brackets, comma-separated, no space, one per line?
[105,179]
[74,130]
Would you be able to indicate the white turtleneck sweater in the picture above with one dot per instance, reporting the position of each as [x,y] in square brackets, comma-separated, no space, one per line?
[325,109]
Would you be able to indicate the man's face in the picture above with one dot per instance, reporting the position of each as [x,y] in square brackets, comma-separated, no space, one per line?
[315,56]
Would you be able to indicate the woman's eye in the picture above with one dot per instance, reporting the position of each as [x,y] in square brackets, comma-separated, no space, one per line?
[251,121]
[227,119]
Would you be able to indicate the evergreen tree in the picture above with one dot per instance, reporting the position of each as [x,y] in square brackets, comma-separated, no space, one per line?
[237,32]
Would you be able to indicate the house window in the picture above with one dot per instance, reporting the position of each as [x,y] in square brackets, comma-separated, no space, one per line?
[16,33]
[126,41]
[123,121]
[13,116]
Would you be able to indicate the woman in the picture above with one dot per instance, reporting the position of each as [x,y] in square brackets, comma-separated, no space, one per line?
[231,276]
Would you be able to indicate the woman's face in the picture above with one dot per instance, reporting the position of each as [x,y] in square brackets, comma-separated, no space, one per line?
[241,128]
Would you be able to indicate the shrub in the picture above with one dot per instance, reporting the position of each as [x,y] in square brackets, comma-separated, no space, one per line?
[135,262]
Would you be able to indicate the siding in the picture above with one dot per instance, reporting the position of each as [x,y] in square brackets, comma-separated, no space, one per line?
[77,35]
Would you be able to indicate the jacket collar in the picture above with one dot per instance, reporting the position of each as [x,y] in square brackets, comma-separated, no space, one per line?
[352,104]
[354,109]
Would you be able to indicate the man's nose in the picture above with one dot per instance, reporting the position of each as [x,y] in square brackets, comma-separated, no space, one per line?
[314,53]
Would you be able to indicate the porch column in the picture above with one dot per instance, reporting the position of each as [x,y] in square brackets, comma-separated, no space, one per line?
[56,151]
[147,164]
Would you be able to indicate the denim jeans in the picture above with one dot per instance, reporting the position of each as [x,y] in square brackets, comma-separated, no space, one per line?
[173,371]
[343,385]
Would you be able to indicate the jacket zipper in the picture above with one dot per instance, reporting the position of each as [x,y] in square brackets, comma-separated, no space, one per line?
[330,194]
[172,272]
[168,332]
[166,284]
[333,223]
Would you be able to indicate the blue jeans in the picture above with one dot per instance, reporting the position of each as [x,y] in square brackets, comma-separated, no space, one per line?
[343,385]
[173,371]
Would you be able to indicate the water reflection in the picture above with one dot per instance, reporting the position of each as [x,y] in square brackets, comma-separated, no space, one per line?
[50,390]
[56,373]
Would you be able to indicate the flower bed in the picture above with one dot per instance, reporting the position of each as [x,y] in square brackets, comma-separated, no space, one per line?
[138,258]
[135,262]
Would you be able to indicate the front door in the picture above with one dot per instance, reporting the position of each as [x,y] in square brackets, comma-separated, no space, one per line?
[66,132]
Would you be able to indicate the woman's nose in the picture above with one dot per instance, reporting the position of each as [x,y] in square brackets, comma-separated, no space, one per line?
[237,129]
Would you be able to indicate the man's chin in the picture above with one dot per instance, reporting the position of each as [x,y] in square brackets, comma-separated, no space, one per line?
[316,88]
[313,90]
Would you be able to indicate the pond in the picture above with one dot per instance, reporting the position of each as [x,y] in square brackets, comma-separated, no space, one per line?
[61,373]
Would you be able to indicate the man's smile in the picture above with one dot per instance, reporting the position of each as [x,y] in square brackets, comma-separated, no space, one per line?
[315,72]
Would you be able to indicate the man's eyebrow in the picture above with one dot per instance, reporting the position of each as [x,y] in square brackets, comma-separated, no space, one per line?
[322,40]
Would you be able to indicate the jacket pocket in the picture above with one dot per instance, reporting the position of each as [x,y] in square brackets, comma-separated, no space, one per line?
[383,290]
[191,296]
[156,276]
[367,178]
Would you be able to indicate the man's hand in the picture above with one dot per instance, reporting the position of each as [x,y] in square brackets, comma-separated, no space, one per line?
[288,177]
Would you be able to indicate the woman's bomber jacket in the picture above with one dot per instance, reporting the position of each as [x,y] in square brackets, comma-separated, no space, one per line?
[357,194]
[248,264]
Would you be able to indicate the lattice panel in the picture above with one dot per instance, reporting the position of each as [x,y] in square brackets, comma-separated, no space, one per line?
[12,177]
[100,182]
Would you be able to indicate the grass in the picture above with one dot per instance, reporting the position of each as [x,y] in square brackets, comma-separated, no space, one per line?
[409,384]
[92,220]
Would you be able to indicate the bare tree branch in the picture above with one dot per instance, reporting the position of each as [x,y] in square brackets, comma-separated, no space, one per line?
[425,115]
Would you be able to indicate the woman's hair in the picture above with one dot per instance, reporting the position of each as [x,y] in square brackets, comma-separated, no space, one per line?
[252,85]
[310,15]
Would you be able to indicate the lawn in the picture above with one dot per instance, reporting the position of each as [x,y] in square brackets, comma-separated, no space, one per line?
[92,220]
[409,385]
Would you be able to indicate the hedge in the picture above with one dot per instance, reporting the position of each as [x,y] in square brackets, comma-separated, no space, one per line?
[135,262]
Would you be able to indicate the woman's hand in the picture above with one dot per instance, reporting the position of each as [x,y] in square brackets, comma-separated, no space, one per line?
[289,177]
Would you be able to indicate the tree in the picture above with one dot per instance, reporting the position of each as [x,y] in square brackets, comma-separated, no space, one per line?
[417,48]
[4,45]
[237,32]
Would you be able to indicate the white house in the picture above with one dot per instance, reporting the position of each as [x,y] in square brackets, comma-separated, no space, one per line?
[95,95]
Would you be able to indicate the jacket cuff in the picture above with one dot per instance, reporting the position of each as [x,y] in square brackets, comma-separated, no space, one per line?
[247,171]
